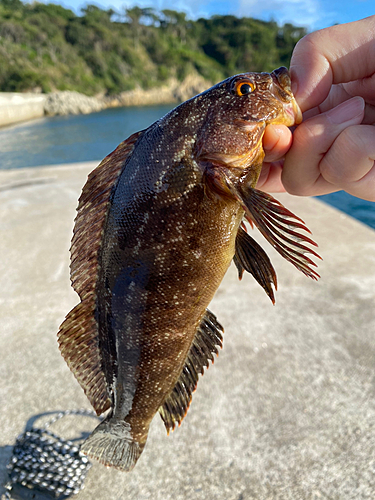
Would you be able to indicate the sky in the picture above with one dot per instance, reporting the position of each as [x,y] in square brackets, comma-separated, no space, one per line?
[312,14]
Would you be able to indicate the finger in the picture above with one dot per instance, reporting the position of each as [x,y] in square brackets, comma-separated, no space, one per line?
[365,87]
[338,54]
[277,140]
[270,178]
[341,93]
[349,163]
[311,140]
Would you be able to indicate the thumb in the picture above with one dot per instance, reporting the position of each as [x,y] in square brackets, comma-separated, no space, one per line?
[277,140]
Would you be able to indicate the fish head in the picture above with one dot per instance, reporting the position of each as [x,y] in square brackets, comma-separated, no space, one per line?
[240,109]
[262,98]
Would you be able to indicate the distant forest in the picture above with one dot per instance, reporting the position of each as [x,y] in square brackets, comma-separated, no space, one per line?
[45,47]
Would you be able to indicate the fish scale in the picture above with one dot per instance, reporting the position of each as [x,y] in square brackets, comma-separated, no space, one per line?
[158,224]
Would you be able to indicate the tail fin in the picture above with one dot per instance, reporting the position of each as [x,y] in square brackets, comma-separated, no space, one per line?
[112,444]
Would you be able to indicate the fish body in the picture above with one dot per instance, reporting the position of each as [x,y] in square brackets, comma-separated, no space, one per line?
[159,222]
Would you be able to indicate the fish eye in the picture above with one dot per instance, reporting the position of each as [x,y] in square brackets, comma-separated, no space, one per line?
[243,87]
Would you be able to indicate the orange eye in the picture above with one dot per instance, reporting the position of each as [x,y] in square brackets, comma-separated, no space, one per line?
[243,87]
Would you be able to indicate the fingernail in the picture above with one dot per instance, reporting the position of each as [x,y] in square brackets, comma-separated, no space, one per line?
[275,133]
[346,111]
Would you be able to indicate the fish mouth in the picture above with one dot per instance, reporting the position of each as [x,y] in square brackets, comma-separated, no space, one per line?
[281,88]
[293,111]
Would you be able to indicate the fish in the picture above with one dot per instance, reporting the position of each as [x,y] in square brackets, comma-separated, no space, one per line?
[158,223]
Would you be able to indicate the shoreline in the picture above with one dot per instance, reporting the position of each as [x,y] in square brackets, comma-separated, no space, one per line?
[18,107]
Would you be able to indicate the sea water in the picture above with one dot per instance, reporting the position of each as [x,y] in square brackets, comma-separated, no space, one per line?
[70,139]
[74,138]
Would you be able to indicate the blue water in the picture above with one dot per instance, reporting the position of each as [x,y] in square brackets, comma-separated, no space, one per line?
[359,209]
[69,139]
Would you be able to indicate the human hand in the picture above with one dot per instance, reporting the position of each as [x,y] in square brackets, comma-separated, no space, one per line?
[334,148]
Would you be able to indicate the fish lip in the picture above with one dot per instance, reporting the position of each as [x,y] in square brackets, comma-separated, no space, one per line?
[281,78]
[282,90]
[294,111]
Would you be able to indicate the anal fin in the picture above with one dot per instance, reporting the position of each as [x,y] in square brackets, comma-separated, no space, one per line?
[206,341]
[251,257]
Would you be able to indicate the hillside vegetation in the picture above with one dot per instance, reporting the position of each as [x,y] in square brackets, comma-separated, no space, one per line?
[45,47]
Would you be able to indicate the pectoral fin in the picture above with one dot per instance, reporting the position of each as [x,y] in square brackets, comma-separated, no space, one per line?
[251,257]
[278,225]
[206,341]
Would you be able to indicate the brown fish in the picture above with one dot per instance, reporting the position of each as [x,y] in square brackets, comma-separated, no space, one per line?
[159,221]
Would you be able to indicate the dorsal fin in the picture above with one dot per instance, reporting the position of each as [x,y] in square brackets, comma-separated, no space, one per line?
[251,257]
[78,334]
[92,212]
[207,338]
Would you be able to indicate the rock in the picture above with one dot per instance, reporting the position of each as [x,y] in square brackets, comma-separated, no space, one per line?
[172,92]
[71,103]
[191,86]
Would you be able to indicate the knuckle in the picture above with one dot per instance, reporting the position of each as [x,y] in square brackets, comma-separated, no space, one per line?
[310,42]
[309,138]
[329,171]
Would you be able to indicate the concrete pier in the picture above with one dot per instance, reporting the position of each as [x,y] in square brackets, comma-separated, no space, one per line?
[17,107]
[287,412]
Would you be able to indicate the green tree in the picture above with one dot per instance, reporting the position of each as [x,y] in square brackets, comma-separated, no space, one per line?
[48,47]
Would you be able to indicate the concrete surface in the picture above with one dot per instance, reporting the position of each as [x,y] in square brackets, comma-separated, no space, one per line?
[286,412]
[17,107]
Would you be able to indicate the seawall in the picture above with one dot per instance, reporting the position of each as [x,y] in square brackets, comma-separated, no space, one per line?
[16,107]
